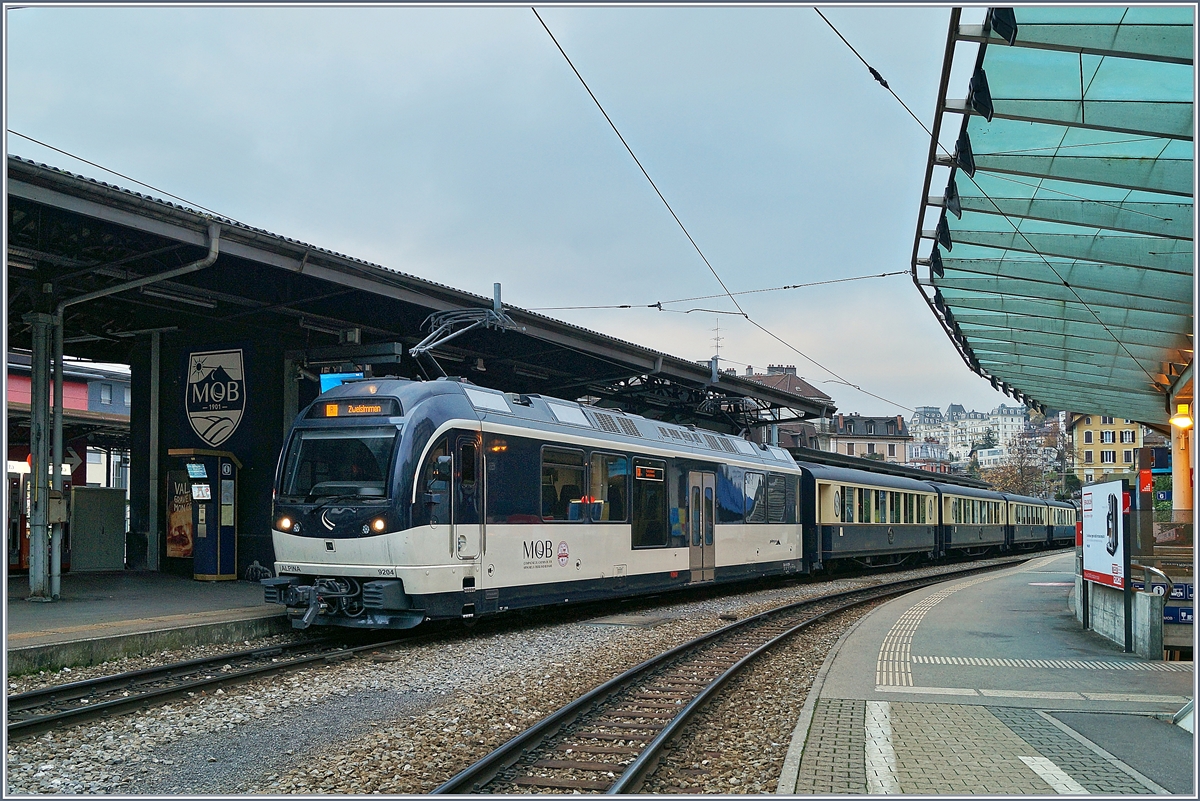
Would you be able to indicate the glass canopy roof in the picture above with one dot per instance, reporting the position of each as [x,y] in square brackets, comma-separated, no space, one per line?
[1055,243]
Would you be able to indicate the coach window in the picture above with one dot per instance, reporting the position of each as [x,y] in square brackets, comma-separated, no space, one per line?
[609,487]
[956,510]
[881,506]
[848,504]
[864,505]
[562,484]
[731,502]
[648,503]
[776,498]
[920,504]
[895,501]
[756,507]
[512,479]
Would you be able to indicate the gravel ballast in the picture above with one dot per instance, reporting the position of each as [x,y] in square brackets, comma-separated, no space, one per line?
[406,719]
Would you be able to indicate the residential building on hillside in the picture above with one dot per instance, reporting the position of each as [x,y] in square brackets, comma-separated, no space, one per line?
[961,431]
[928,454]
[1104,447]
[884,438]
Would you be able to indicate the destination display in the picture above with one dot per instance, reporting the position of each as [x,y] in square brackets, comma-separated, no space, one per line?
[375,407]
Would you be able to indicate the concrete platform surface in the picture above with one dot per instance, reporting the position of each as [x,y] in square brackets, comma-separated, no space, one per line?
[988,685]
[104,615]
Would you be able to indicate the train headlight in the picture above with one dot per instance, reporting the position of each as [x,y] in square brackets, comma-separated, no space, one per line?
[378,525]
[284,524]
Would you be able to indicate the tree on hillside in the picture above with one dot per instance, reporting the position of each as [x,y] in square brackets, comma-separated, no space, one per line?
[1023,471]
[988,440]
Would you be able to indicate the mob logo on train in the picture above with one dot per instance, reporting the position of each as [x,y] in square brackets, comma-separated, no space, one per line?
[216,394]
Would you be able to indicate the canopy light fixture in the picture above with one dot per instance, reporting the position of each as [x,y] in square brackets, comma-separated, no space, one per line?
[1183,416]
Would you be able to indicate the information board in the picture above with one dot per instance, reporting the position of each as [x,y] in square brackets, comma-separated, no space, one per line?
[1103,534]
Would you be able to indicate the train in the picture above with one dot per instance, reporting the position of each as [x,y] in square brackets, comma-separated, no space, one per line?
[399,501]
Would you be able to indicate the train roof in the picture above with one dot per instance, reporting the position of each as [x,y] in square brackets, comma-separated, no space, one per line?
[539,412]
[967,492]
[849,475]
[1025,499]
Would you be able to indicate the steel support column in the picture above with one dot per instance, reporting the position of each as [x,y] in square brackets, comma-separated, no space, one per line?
[56,480]
[154,535]
[39,451]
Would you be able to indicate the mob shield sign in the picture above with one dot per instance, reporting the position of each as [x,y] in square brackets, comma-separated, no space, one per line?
[1103,540]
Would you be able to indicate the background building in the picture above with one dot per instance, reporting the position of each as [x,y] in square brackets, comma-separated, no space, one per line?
[1103,446]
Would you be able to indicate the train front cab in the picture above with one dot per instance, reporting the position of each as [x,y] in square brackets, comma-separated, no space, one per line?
[1028,522]
[972,520]
[869,517]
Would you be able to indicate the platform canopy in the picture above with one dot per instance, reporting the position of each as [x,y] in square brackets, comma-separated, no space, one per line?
[1055,242]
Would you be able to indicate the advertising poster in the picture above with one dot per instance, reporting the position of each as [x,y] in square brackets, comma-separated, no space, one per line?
[179,515]
[1103,537]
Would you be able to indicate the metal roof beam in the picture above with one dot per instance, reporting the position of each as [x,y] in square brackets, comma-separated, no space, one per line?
[1143,408]
[1108,278]
[994,285]
[1126,380]
[1150,253]
[1170,220]
[1002,339]
[1167,120]
[1053,325]
[1168,43]
[1158,175]
[1114,318]
[1092,366]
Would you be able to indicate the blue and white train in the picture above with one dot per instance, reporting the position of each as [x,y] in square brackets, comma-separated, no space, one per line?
[402,501]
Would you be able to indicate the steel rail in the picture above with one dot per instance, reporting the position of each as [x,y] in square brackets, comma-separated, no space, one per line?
[476,776]
[115,706]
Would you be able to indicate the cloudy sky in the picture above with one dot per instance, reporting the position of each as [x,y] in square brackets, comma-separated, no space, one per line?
[456,144]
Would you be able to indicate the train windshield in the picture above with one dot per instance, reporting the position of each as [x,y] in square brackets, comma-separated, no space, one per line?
[348,462]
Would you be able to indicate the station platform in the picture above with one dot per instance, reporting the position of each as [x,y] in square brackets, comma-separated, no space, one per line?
[102,616]
[988,685]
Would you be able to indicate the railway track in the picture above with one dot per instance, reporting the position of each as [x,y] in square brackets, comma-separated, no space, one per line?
[611,739]
[62,705]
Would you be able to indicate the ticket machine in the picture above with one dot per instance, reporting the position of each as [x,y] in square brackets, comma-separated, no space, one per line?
[202,512]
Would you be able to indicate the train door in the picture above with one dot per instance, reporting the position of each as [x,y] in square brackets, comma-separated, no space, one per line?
[468,497]
[702,493]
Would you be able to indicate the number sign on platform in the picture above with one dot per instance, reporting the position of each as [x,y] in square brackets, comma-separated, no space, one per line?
[1103,541]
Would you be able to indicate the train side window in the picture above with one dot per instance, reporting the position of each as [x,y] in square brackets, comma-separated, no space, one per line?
[466,499]
[708,516]
[512,479]
[562,484]
[648,503]
[895,501]
[792,499]
[776,498]
[433,491]
[848,501]
[956,511]
[731,500]
[864,505]
[694,516]
[920,504]
[756,507]
[609,487]
[881,506]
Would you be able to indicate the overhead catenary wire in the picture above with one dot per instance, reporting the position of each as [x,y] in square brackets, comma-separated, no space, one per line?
[1016,228]
[683,228]
[114,172]
[660,303]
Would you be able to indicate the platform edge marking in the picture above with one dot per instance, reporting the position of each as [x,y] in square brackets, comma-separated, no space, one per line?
[1054,776]
[880,755]
[1149,784]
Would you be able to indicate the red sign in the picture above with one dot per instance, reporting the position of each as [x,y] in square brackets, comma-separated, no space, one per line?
[1125,502]
[1079,534]
[1145,481]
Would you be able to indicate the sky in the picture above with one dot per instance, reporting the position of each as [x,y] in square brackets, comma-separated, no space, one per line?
[457,145]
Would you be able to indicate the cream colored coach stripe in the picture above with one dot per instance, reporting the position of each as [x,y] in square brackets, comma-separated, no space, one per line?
[894,668]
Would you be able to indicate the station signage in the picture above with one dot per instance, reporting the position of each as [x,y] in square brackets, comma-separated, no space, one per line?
[1103,534]
[215,394]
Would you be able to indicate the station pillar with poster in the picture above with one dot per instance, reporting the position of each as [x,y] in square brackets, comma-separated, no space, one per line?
[202,513]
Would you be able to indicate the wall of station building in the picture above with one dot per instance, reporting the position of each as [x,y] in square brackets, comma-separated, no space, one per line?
[247,417]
